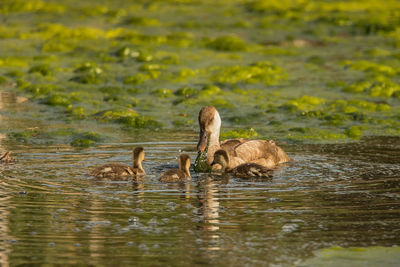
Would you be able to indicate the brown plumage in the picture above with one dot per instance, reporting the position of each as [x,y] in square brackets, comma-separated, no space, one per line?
[178,175]
[7,159]
[262,152]
[244,170]
[122,171]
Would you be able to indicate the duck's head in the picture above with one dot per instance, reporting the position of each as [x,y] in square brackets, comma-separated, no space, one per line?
[210,123]
[138,156]
[184,163]
[221,157]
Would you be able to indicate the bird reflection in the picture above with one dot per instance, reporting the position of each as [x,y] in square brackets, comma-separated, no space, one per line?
[209,209]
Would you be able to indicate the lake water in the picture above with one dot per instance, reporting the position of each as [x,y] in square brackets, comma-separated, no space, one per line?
[330,195]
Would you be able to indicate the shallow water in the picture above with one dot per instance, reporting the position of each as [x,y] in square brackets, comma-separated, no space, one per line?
[330,195]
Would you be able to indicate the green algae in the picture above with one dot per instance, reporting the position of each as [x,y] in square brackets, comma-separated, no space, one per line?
[57,100]
[240,133]
[24,136]
[42,69]
[277,71]
[85,139]
[162,93]
[128,118]
[260,72]
[227,43]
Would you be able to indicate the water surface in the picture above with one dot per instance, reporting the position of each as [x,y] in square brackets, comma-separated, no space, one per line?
[330,195]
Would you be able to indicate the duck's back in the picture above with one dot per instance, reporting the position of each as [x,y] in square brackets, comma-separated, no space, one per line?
[113,170]
[251,170]
[173,176]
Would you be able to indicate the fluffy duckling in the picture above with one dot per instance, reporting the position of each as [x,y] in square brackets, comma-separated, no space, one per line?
[6,158]
[178,175]
[118,170]
[244,170]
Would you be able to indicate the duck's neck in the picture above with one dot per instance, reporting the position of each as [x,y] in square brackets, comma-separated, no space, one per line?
[213,145]
[137,165]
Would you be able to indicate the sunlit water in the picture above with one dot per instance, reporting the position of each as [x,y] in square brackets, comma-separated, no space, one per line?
[51,212]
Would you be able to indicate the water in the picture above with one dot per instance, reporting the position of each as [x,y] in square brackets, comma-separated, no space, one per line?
[330,195]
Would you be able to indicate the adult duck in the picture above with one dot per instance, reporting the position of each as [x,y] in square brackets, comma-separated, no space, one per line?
[263,152]
[244,170]
[122,171]
[181,174]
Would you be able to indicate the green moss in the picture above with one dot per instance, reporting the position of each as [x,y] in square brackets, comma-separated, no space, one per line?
[3,80]
[57,100]
[126,52]
[13,62]
[15,74]
[139,122]
[240,133]
[209,90]
[305,103]
[77,112]
[39,89]
[227,43]
[114,114]
[260,72]
[89,73]
[186,92]
[138,78]
[200,164]
[151,67]
[354,132]
[42,69]
[162,92]
[85,139]
[23,136]
[371,67]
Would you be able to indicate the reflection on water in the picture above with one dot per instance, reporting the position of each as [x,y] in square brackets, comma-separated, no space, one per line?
[330,195]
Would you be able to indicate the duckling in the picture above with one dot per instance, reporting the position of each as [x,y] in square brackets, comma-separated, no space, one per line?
[244,170]
[178,175]
[118,170]
[7,159]
[262,152]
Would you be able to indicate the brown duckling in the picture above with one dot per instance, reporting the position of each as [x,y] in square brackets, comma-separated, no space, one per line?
[178,175]
[118,170]
[244,170]
[7,159]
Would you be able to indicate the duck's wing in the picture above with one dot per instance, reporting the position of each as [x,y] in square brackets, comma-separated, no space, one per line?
[173,176]
[230,145]
[251,170]
[263,152]
[112,170]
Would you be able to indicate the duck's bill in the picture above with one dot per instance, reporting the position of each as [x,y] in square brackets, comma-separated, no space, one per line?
[203,141]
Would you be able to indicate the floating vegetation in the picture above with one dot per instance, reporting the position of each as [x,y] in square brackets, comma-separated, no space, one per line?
[277,71]
[227,43]
[260,72]
[85,139]
[370,67]
[42,69]
[382,87]
[240,133]
[128,117]
[88,73]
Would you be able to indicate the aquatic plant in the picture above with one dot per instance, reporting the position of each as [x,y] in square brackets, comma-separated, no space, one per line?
[264,72]
[85,139]
[227,43]
[239,133]
[43,69]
